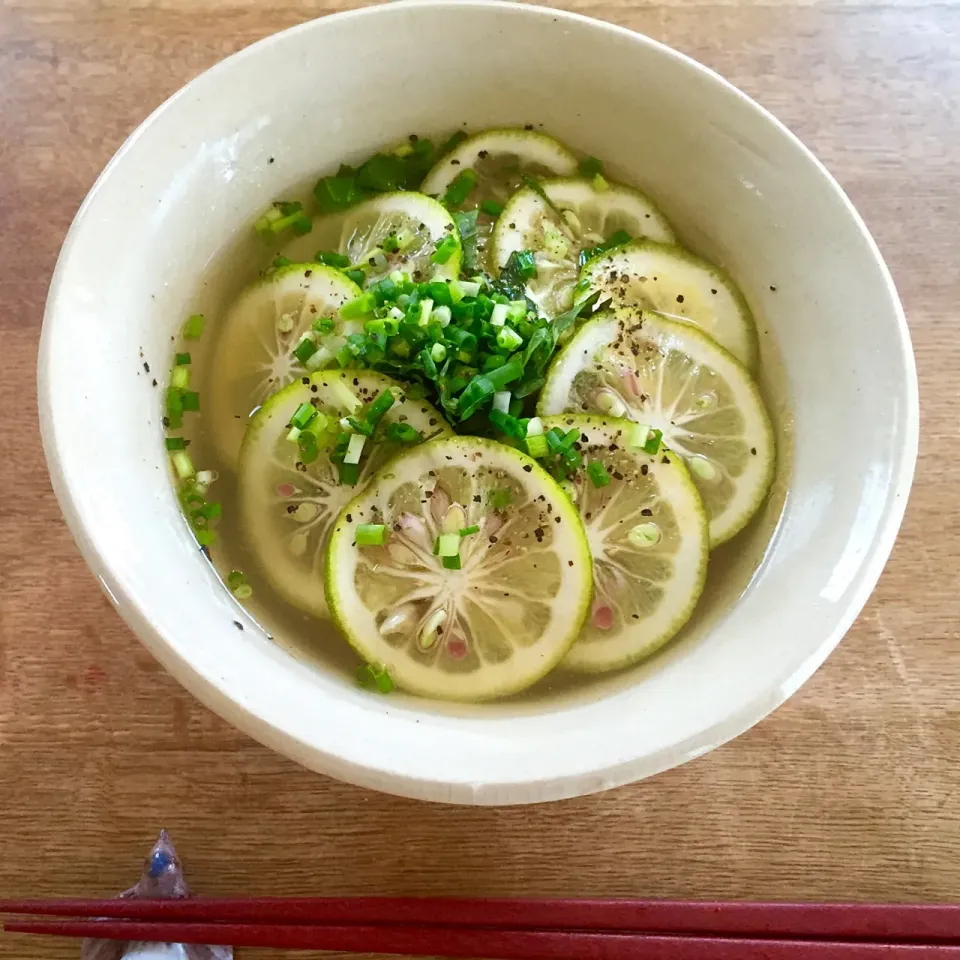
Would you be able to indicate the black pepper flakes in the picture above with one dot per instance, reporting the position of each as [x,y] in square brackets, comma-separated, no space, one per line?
[646,512]
[146,367]
[238,624]
[644,469]
[527,468]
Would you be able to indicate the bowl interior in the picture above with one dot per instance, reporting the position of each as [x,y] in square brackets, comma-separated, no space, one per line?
[149,247]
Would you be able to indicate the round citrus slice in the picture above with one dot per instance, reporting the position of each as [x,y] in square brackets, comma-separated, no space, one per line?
[488,167]
[674,380]
[648,536]
[679,286]
[253,356]
[462,570]
[565,222]
[402,231]
[291,488]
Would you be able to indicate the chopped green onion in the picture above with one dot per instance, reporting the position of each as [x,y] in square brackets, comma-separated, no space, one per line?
[305,349]
[426,307]
[438,353]
[491,208]
[599,184]
[445,249]
[597,472]
[180,378]
[294,434]
[499,316]
[354,448]
[182,359]
[402,433]
[456,291]
[452,563]
[611,404]
[175,443]
[332,259]
[190,400]
[510,371]
[319,358]
[589,167]
[371,535]
[281,261]
[500,498]
[508,338]
[537,445]
[303,415]
[460,188]
[359,306]
[380,406]
[356,275]
[369,675]
[471,288]
[441,315]
[193,328]
[349,474]
[642,437]
[324,325]
[243,592]
[534,427]
[448,544]
[467,531]
[501,401]
[183,464]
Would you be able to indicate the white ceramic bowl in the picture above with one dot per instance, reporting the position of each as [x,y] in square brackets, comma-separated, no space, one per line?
[736,184]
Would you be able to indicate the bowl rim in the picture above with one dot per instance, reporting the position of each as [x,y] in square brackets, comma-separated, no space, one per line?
[562,785]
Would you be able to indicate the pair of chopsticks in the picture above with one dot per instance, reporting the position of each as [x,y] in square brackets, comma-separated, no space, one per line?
[516,929]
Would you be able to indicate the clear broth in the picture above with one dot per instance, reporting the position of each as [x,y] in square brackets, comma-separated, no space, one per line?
[317,642]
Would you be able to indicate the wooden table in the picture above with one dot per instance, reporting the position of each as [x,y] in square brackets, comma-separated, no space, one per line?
[851,790]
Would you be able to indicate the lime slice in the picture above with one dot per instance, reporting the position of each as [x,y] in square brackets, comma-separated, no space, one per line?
[253,355]
[681,287]
[401,231]
[674,379]
[510,612]
[561,223]
[649,538]
[499,159]
[287,507]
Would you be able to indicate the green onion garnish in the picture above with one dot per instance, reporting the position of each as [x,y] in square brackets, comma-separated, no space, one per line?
[402,433]
[371,535]
[537,445]
[375,676]
[175,443]
[467,531]
[597,472]
[281,261]
[452,563]
[182,359]
[332,259]
[305,349]
[359,306]
[448,545]
[356,275]
[379,407]
[508,338]
[180,378]
[349,474]
[190,400]
[438,353]
[182,464]
[491,208]
[460,188]
[193,328]
[445,249]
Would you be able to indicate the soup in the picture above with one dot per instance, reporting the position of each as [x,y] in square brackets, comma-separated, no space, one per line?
[477,424]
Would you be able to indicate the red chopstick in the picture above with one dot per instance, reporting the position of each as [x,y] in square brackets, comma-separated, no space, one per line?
[493,944]
[815,921]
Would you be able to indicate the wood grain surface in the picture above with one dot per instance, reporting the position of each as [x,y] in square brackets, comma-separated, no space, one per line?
[851,790]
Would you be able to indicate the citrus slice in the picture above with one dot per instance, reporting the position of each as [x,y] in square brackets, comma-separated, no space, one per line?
[679,286]
[253,356]
[649,538]
[673,378]
[287,506]
[402,231]
[499,160]
[483,580]
[562,222]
